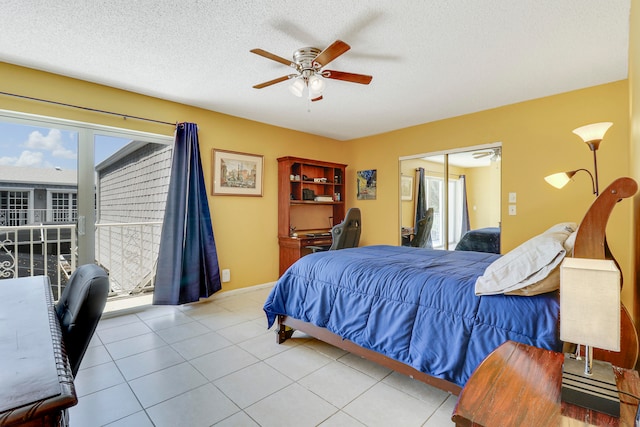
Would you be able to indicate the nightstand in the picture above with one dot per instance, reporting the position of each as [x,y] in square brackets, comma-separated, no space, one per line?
[519,385]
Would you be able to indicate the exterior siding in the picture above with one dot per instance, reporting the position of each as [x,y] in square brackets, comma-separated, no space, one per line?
[132,190]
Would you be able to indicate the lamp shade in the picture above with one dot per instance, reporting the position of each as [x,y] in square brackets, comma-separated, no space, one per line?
[593,132]
[316,86]
[590,303]
[297,87]
[558,180]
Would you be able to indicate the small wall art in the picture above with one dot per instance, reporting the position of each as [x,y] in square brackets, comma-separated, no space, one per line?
[406,187]
[367,184]
[237,174]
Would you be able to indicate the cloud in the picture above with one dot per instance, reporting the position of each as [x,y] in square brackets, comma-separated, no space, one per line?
[51,142]
[8,161]
[30,159]
[27,159]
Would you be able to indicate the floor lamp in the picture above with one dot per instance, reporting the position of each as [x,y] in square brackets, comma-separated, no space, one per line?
[592,135]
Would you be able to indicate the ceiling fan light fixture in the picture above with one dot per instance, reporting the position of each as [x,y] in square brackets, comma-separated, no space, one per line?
[297,87]
[316,84]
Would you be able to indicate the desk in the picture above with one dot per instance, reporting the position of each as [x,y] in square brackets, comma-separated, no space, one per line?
[294,248]
[519,385]
[36,383]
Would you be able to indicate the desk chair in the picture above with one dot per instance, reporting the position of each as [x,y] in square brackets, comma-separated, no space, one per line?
[422,238]
[79,309]
[346,234]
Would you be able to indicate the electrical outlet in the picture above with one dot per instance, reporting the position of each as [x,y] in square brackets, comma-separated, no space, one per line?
[512,209]
[226,275]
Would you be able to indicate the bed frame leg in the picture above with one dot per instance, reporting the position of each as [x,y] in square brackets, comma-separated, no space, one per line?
[284,331]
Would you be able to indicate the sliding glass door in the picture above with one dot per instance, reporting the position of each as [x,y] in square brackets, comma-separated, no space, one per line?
[77,193]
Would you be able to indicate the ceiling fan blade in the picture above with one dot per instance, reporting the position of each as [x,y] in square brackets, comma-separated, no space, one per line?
[336,49]
[317,99]
[348,77]
[273,57]
[274,81]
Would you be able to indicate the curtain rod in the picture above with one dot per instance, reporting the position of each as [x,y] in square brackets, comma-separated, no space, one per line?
[124,116]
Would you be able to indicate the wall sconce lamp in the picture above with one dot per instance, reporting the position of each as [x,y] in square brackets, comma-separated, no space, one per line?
[592,135]
[590,307]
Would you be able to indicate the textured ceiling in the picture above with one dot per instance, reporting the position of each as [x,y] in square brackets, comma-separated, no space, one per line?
[429,59]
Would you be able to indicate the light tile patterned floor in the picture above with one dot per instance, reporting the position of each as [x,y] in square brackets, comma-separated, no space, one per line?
[215,363]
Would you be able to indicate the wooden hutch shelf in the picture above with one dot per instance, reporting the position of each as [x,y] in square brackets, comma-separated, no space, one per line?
[311,196]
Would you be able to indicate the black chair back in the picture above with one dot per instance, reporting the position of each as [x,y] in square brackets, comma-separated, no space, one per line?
[347,233]
[422,239]
[79,309]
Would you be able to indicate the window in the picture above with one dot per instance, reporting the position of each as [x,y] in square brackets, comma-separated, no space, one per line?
[64,207]
[14,208]
[435,200]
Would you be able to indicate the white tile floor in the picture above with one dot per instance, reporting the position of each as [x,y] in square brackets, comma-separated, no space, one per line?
[215,363]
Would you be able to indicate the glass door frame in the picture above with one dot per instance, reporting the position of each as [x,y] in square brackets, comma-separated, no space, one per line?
[85,163]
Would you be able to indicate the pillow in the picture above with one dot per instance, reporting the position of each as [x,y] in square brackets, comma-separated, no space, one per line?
[563,227]
[548,284]
[526,265]
[570,243]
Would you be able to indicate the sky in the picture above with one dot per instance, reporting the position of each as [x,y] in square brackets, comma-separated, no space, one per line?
[41,147]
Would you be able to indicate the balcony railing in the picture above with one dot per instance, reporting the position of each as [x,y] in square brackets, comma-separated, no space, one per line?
[128,251]
[33,250]
[16,217]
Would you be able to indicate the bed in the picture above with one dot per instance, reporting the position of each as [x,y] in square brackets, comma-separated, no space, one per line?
[480,240]
[416,310]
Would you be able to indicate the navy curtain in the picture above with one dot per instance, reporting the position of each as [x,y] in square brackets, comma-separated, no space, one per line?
[187,261]
[465,208]
[421,197]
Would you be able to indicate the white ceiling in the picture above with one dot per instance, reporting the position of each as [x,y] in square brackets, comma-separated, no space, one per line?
[430,59]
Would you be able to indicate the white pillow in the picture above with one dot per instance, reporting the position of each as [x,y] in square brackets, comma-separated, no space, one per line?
[570,243]
[525,265]
[563,227]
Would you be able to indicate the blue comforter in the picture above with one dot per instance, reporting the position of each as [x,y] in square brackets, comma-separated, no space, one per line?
[414,305]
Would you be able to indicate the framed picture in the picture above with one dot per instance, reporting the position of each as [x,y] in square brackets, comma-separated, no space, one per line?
[406,187]
[367,184]
[237,174]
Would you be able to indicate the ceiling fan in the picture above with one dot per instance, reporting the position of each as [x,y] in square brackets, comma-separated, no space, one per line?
[494,153]
[309,63]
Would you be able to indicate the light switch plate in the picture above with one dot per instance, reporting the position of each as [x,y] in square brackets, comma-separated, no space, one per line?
[512,197]
[512,209]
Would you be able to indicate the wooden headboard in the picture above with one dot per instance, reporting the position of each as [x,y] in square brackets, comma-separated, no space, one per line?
[591,243]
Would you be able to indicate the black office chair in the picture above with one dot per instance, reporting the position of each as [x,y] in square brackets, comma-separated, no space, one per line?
[347,233]
[422,238]
[344,235]
[79,309]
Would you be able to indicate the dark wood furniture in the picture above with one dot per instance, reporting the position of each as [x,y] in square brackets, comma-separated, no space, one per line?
[519,385]
[590,243]
[36,382]
[300,181]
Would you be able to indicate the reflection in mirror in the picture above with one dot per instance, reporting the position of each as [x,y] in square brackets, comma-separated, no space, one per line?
[455,196]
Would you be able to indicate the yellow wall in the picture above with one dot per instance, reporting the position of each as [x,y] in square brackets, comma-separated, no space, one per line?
[245,228]
[536,141]
[483,196]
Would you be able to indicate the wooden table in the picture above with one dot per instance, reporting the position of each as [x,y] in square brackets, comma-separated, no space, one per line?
[36,383]
[519,385]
